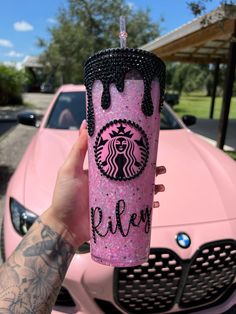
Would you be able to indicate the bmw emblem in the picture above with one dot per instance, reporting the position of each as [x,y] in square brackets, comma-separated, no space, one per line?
[183,240]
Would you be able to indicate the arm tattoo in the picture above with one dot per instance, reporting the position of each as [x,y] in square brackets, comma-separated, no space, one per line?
[31,278]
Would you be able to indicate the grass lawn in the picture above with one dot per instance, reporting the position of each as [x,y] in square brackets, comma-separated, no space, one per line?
[198,104]
[231,154]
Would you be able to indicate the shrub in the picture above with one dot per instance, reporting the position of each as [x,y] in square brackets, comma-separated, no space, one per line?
[11,85]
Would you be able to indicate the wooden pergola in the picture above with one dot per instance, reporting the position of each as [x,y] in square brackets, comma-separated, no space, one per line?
[209,39]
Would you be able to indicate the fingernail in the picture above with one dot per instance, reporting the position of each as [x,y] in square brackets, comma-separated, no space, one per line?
[159,188]
[162,169]
[84,125]
[162,188]
[156,204]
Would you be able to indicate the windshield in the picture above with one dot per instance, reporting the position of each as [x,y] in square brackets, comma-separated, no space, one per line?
[70,110]
[168,120]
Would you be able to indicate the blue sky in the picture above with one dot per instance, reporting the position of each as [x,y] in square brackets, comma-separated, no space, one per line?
[23,21]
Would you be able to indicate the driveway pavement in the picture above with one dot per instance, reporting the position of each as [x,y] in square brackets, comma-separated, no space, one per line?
[39,101]
[209,129]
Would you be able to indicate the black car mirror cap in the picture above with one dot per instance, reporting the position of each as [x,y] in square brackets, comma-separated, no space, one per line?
[189,120]
[28,118]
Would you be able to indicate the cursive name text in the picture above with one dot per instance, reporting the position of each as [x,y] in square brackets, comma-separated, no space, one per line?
[121,223]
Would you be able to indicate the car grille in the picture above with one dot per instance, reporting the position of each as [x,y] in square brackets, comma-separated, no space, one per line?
[166,280]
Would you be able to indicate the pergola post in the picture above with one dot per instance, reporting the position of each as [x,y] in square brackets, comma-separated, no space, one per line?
[228,88]
[215,83]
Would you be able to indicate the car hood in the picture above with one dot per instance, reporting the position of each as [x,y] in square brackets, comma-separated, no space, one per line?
[45,156]
[200,181]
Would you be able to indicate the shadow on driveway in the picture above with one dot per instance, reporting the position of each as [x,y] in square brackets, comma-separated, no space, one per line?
[5,174]
[6,126]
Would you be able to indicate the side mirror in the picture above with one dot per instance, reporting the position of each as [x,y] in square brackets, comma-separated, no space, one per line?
[189,120]
[28,118]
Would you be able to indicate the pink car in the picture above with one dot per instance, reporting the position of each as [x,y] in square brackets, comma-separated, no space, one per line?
[192,262]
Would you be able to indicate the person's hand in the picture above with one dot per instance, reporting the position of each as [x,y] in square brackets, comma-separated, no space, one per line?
[69,212]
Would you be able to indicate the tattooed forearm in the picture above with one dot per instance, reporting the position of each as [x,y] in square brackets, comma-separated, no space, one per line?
[31,278]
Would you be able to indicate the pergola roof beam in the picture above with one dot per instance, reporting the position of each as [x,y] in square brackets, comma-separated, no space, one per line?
[208,39]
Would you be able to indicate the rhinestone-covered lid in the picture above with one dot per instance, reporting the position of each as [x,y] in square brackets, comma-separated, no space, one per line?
[111,66]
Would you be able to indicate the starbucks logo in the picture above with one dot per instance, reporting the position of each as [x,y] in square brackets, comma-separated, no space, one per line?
[121,150]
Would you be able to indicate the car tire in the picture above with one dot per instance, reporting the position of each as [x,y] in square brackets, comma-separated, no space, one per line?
[2,243]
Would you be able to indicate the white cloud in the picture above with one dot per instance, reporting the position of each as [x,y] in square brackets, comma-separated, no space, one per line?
[6,43]
[14,54]
[9,63]
[51,20]
[17,65]
[23,26]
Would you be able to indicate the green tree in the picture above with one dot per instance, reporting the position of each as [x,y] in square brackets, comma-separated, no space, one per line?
[198,7]
[11,85]
[87,26]
[170,71]
[187,77]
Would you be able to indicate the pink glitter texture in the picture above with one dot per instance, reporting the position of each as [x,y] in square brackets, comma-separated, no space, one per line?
[121,209]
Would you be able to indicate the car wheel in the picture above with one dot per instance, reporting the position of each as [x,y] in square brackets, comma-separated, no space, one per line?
[2,243]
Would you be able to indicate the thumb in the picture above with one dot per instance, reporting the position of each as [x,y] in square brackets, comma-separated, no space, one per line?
[75,160]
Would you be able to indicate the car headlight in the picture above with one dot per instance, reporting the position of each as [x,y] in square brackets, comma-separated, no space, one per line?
[22,219]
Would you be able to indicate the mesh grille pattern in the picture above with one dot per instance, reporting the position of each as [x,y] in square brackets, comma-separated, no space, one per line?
[211,272]
[165,280]
[151,287]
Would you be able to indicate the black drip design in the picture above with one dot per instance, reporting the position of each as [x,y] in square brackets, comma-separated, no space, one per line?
[111,65]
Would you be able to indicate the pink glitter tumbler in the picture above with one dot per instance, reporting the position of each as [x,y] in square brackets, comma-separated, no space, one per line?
[125,89]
